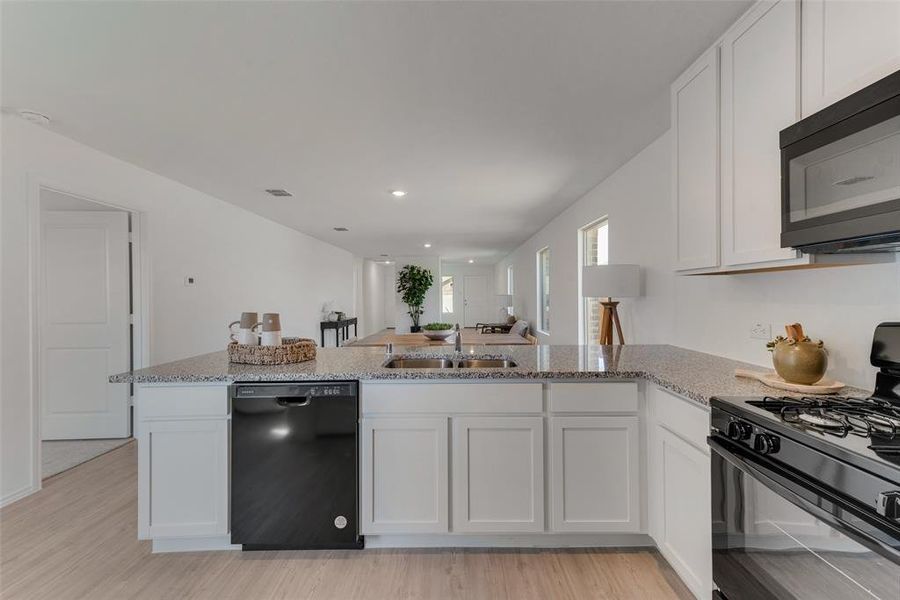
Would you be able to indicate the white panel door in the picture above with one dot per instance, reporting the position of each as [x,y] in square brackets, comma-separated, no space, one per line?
[595,474]
[477,300]
[695,163]
[846,46]
[405,475]
[84,318]
[760,77]
[498,474]
[183,484]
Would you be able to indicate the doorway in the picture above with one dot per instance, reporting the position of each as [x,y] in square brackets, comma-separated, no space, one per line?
[85,298]
[476,300]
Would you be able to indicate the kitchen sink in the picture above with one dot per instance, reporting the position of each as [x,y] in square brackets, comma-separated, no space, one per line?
[446,363]
[419,363]
[486,363]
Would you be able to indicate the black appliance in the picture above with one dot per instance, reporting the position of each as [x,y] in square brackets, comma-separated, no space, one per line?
[806,491]
[294,465]
[840,175]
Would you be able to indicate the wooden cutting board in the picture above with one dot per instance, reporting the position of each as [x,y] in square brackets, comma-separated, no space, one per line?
[823,386]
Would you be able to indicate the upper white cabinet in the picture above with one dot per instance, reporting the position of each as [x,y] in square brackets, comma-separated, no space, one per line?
[498,474]
[781,61]
[695,163]
[846,46]
[760,79]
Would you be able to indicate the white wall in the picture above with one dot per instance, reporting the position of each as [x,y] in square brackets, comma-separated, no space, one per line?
[459,273]
[432,305]
[374,296]
[240,261]
[712,314]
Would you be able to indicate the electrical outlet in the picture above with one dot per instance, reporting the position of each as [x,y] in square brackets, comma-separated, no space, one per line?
[761,331]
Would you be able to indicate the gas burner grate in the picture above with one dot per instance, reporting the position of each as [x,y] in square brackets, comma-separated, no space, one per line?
[835,415]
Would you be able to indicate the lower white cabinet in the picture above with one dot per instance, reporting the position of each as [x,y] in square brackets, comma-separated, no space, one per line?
[498,474]
[595,474]
[679,488]
[183,483]
[404,475]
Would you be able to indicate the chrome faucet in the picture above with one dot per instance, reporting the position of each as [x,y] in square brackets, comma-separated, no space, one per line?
[458,339]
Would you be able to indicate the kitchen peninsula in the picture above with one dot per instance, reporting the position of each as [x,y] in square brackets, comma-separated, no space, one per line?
[571,446]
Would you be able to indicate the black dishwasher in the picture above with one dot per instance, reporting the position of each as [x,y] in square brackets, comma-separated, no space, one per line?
[294,465]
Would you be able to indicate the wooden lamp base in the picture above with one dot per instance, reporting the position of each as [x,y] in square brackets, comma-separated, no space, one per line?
[610,318]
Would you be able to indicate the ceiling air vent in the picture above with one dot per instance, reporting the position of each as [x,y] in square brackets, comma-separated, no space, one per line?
[341,229]
[279,193]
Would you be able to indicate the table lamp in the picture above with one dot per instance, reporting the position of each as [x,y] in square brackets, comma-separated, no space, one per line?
[610,281]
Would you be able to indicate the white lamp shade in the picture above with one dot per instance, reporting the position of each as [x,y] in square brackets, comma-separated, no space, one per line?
[611,281]
[504,299]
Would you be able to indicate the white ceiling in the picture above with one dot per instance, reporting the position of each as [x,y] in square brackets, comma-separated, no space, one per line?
[494,116]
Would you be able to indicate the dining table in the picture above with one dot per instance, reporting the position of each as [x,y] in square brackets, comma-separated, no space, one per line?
[470,337]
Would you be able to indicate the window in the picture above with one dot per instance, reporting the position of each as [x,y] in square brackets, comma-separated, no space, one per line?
[447,294]
[595,251]
[543,286]
[509,280]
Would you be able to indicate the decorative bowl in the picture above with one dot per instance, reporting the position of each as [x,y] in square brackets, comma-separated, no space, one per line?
[802,362]
[439,334]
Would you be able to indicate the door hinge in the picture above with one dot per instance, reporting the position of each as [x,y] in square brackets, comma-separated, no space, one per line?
[131,319]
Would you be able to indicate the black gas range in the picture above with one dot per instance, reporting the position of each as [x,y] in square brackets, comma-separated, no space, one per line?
[806,490]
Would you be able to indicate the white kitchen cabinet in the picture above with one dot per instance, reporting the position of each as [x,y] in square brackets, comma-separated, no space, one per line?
[846,46]
[695,163]
[679,499]
[595,470]
[184,478]
[183,467]
[760,89]
[498,474]
[404,475]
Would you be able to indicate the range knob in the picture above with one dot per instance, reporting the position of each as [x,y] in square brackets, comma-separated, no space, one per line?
[738,430]
[765,443]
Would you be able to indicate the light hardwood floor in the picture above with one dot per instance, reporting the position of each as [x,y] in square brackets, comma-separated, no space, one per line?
[77,538]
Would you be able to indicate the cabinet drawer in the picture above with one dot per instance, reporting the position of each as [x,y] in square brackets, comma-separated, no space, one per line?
[442,398]
[167,401]
[594,397]
[682,417]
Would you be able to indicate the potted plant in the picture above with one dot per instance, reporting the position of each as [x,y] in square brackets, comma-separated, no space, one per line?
[412,283]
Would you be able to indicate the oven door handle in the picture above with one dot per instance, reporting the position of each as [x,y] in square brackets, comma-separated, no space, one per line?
[783,485]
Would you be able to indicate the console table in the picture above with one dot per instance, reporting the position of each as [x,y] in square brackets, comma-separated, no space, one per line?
[341,330]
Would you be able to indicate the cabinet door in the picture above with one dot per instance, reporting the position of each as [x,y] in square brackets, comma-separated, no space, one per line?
[684,531]
[183,484]
[405,475]
[847,46]
[760,72]
[695,166]
[498,474]
[595,474]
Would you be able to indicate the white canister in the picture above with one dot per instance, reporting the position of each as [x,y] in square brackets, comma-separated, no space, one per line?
[271,329]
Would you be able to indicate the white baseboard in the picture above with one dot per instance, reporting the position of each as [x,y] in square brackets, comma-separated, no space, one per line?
[18,495]
[535,540]
[194,544]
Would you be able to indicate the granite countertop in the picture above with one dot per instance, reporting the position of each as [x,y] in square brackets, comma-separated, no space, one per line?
[696,375]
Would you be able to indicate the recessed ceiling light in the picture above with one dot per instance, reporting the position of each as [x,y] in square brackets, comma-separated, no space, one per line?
[471,260]
[428,245]
[398,193]
[279,192]
[341,229]
[34,116]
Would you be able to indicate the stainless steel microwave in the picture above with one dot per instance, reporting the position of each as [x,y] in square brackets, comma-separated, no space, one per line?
[840,175]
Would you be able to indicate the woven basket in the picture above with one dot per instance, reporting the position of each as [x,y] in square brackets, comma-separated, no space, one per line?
[291,350]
